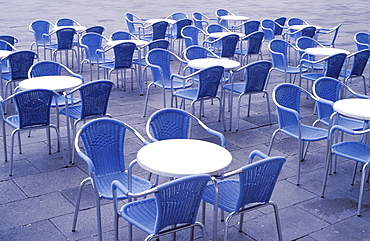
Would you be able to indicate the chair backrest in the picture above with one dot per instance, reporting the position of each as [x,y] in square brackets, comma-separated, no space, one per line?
[95,29]
[33,107]
[45,68]
[65,38]
[303,43]
[362,40]
[190,35]
[296,21]
[335,31]
[213,28]
[123,54]
[334,64]
[159,43]
[198,19]
[222,12]
[251,26]
[179,25]
[257,181]
[178,16]
[279,27]
[255,40]
[10,39]
[20,62]
[228,45]
[130,22]
[94,98]
[39,28]
[103,140]
[159,30]
[309,31]
[5,45]
[256,76]
[178,201]
[93,42]
[121,35]
[66,22]
[268,27]
[169,123]
[196,52]
[209,80]
[160,59]
[360,59]
[279,50]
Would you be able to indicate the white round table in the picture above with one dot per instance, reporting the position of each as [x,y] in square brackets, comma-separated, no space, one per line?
[183,157]
[5,53]
[203,63]
[223,34]
[138,42]
[56,83]
[319,51]
[353,107]
[155,20]
[234,18]
[301,26]
[78,28]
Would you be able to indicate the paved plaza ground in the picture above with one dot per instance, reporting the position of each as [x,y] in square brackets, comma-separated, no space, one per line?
[37,202]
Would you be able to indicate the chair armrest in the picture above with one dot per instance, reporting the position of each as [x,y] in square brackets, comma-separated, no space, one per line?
[255,153]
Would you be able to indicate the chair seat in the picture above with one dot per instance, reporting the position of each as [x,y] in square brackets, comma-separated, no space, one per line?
[94,60]
[309,133]
[312,76]
[104,183]
[61,101]
[346,122]
[111,66]
[141,213]
[290,70]
[354,150]
[237,88]
[227,196]
[189,94]
[175,84]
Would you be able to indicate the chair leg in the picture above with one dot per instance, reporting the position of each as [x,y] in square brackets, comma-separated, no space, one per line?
[11,153]
[78,200]
[277,219]
[272,140]
[361,188]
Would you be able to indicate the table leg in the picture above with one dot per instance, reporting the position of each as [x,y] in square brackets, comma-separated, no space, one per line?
[140,79]
[215,211]
[231,99]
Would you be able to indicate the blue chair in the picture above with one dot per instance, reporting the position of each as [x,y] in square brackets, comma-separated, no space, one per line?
[91,44]
[329,31]
[122,35]
[10,39]
[160,62]
[256,79]
[64,43]
[362,40]
[133,23]
[328,90]
[153,31]
[253,189]
[164,213]
[175,33]
[196,52]
[251,26]
[95,29]
[279,25]
[213,28]
[123,54]
[94,103]
[67,22]
[268,27]
[332,67]
[19,64]
[201,21]
[5,45]
[41,29]
[209,81]
[280,59]
[296,21]
[190,35]
[251,45]
[227,45]
[177,16]
[302,43]
[287,99]
[357,61]
[103,141]
[223,12]
[32,112]
[292,36]
[173,123]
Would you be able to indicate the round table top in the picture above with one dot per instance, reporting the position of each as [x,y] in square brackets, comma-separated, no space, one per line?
[203,63]
[56,83]
[319,51]
[154,20]
[138,42]
[78,28]
[234,18]
[5,53]
[353,107]
[223,34]
[300,26]
[183,157]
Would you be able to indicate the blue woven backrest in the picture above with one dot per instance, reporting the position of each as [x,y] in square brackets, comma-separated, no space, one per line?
[268,28]
[159,30]
[180,24]
[95,97]
[334,65]
[228,45]
[178,16]
[255,42]
[363,40]
[197,20]
[94,42]
[95,29]
[40,27]
[213,28]
[287,95]
[65,22]
[178,201]
[257,181]
[196,52]
[129,22]
[5,45]
[209,80]
[33,107]
[251,26]
[190,34]
[256,76]
[279,46]
[123,54]
[20,63]
[222,12]
[308,32]
[65,38]
[103,141]
[170,124]
[268,23]
[295,21]
[120,35]
[304,43]
[161,58]
[159,43]
[281,21]
[329,89]
[9,39]
[359,62]
[46,68]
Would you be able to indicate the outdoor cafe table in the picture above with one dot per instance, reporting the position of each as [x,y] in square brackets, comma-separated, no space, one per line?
[357,108]
[319,51]
[183,157]
[140,44]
